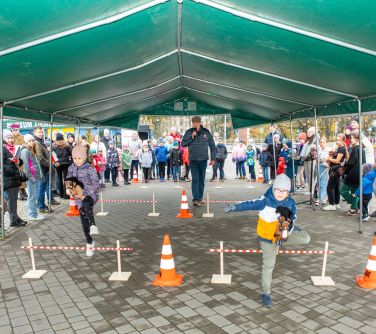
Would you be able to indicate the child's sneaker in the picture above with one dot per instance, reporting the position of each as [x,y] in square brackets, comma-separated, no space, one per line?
[266,300]
[94,230]
[365,217]
[90,249]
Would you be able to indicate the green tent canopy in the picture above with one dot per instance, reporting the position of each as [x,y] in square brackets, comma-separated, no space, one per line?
[108,62]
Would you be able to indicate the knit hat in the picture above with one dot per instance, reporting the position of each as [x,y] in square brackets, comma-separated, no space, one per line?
[14,126]
[28,137]
[59,136]
[93,150]
[161,140]
[264,146]
[70,135]
[348,128]
[367,167]
[282,182]
[176,143]
[302,136]
[7,133]
[111,142]
[79,151]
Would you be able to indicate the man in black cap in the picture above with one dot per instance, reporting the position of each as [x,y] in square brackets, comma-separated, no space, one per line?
[198,139]
[71,141]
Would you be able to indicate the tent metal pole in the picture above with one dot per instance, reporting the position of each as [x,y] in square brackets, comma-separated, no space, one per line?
[99,127]
[49,196]
[360,229]
[283,26]
[274,157]
[180,60]
[93,79]
[293,158]
[317,157]
[107,20]
[2,174]
[250,69]
[225,130]
[248,91]
[78,133]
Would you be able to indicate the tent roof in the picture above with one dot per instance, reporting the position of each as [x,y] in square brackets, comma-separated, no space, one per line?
[109,61]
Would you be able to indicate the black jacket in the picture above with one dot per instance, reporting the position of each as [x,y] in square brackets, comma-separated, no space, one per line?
[198,147]
[12,175]
[63,154]
[221,152]
[43,155]
[176,157]
[352,167]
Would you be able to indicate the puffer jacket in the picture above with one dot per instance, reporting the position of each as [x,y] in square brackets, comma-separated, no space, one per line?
[198,147]
[126,158]
[135,147]
[88,176]
[112,158]
[64,156]
[176,157]
[31,165]
[161,154]
[145,158]
[12,175]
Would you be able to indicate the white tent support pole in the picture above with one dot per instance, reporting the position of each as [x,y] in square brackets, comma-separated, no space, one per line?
[99,127]
[2,173]
[221,261]
[274,157]
[293,158]
[78,133]
[118,256]
[93,79]
[119,96]
[225,130]
[317,157]
[360,230]
[249,69]
[107,20]
[247,91]
[49,195]
[283,26]
[180,60]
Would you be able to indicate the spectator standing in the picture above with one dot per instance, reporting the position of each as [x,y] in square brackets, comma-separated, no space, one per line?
[186,163]
[34,174]
[220,157]
[12,178]
[135,145]
[198,139]
[265,162]
[126,159]
[235,149]
[368,147]
[307,156]
[300,181]
[176,158]
[44,162]
[323,172]
[106,142]
[146,158]
[161,156]
[251,155]
[64,159]
[71,141]
[113,162]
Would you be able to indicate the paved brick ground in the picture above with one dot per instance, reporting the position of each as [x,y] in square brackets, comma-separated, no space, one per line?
[75,295]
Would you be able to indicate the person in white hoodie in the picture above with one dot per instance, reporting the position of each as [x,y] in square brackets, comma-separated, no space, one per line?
[135,145]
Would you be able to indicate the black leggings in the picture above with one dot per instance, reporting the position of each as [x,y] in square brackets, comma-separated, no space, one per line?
[162,169]
[87,217]
[366,199]
[61,172]
[333,189]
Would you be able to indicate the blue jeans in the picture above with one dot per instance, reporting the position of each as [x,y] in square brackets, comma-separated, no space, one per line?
[323,173]
[242,168]
[43,186]
[32,198]
[198,170]
[265,173]
[175,172]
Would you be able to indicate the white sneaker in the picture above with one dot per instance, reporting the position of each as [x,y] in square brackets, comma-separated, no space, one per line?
[330,208]
[93,230]
[39,217]
[89,249]
[337,206]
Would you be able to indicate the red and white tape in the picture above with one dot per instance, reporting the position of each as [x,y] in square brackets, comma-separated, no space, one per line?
[258,251]
[77,248]
[126,201]
[224,201]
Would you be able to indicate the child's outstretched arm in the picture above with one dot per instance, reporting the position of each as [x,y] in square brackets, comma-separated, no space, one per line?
[257,204]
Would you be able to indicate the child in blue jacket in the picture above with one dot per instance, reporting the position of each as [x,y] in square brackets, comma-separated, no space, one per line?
[368,179]
[276,223]
[161,153]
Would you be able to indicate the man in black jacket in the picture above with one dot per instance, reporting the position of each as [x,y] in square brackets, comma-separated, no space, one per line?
[198,139]
[43,158]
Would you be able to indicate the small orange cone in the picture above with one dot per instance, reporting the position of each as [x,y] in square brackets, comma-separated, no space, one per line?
[368,281]
[260,177]
[135,176]
[167,275]
[73,208]
[184,210]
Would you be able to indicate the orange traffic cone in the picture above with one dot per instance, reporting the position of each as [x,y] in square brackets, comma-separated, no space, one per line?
[135,176]
[260,177]
[167,275]
[368,281]
[184,210]
[73,209]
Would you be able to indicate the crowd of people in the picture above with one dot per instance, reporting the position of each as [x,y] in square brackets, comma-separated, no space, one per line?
[337,173]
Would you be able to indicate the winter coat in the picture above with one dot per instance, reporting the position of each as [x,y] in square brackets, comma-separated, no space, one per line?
[145,158]
[352,167]
[18,139]
[274,153]
[268,218]
[368,181]
[88,176]
[198,147]
[31,165]
[99,162]
[269,138]
[43,155]
[64,156]
[176,157]
[240,154]
[220,152]
[112,158]
[126,159]
[250,156]
[186,156]
[135,147]
[264,158]
[161,154]
[106,142]
[281,166]
[12,175]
